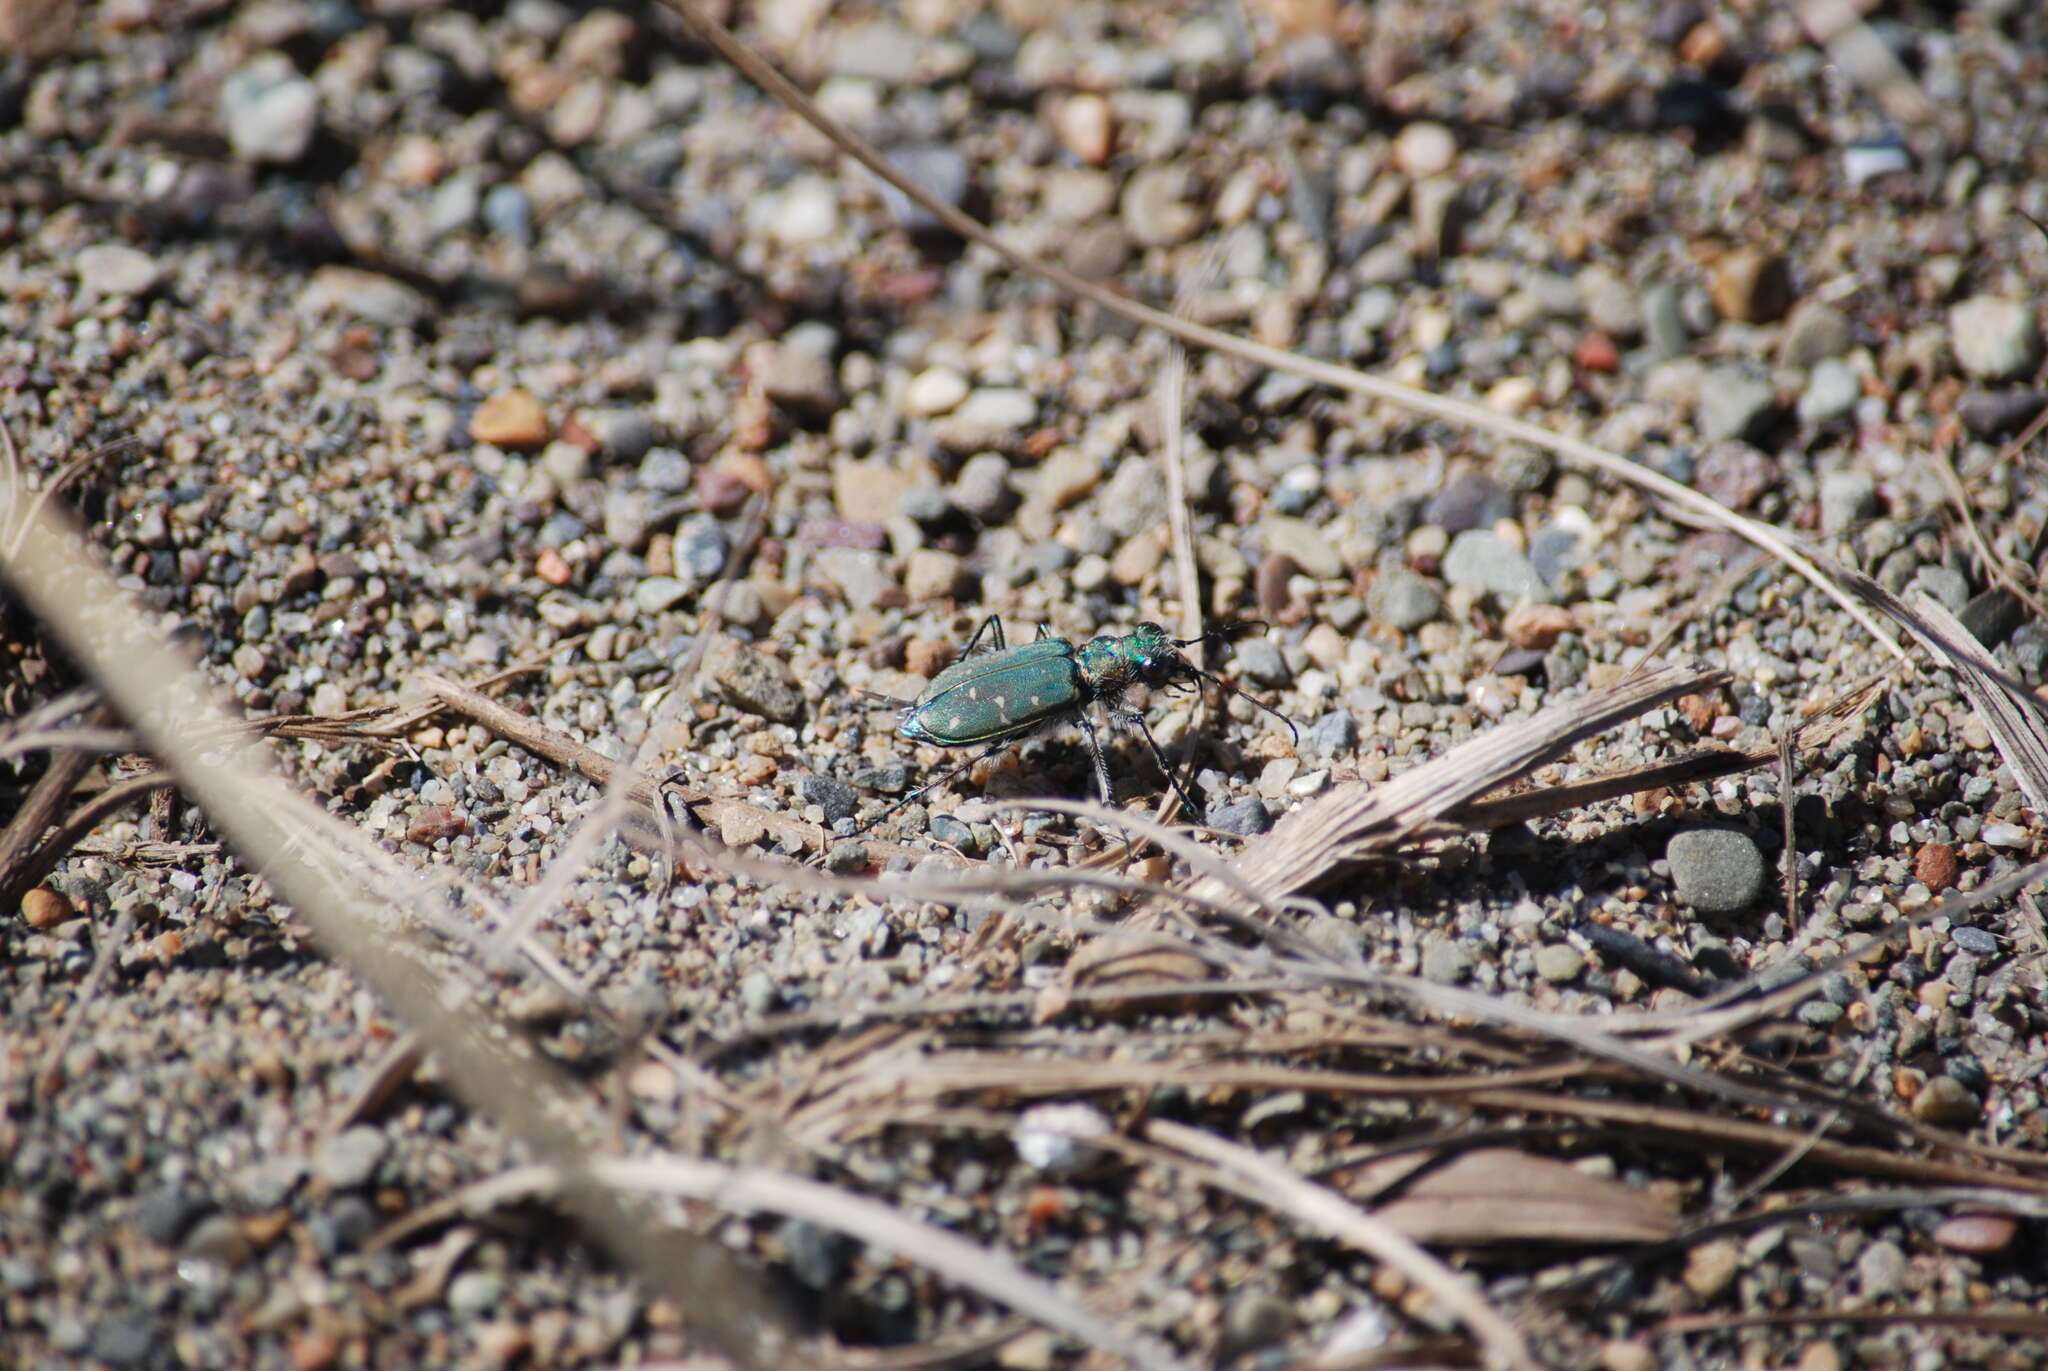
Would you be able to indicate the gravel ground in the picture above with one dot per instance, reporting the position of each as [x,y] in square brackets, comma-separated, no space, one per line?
[438,338]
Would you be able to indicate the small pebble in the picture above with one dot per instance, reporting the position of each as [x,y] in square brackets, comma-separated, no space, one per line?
[1947,1102]
[1980,1235]
[1425,148]
[1752,286]
[1052,1138]
[1559,963]
[1715,870]
[43,908]
[1995,339]
[1847,498]
[268,110]
[511,419]
[1710,1268]
[115,269]
[351,1157]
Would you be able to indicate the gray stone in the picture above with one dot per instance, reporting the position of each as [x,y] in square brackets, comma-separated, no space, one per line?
[755,681]
[830,794]
[164,1214]
[656,593]
[351,1157]
[129,1338]
[1403,600]
[1814,333]
[1259,661]
[1735,402]
[1664,329]
[115,269]
[983,491]
[1881,1271]
[474,1294]
[268,111]
[1446,961]
[1951,588]
[1715,870]
[1832,390]
[1846,499]
[1245,816]
[1559,963]
[1995,339]
[1478,560]
[665,471]
[938,168]
[1333,735]
[991,419]
[1974,940]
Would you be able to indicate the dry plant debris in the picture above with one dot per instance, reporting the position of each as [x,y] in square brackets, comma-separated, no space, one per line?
[463,469]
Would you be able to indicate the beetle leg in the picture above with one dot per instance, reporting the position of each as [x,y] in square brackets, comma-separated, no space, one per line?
[990,751]
[991,626]
[1101,763]
[1196,812]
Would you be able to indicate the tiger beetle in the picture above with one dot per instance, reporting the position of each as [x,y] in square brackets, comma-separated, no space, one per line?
[1008,693]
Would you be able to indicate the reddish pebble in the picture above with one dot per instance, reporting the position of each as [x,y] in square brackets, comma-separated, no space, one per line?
[1045,1204]
[433,823]
[511,418]
[1537,627]
[552,568]
[315,1352]
[574,431]
[1978,1234]
[1597,352]
[1934,866]
[1700,711]
[721,490]
[44,908]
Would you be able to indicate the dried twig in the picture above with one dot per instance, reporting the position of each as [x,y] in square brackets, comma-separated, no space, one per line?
[1267,1182]
[320,868]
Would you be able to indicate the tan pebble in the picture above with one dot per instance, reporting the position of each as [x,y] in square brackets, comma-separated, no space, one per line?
[1704,47]
[261,1230]
[1086,127]
[551,567]
[1627,1355]
[661,555]
[1138,558]
[1946,1101]
[1425,148]
[927,657]
[932,575]
[1978,1234]
[500,1343]
[1752,286]
[756,770]
[1710,1268]
[1820,1356]
[1511,394]
[510,419]
[935,390]
[1934,994]
[44,908]
[270,1068]
[652,1081]
[1537,627]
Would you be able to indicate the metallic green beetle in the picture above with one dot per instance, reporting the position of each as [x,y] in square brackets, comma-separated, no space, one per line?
[1007,693]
